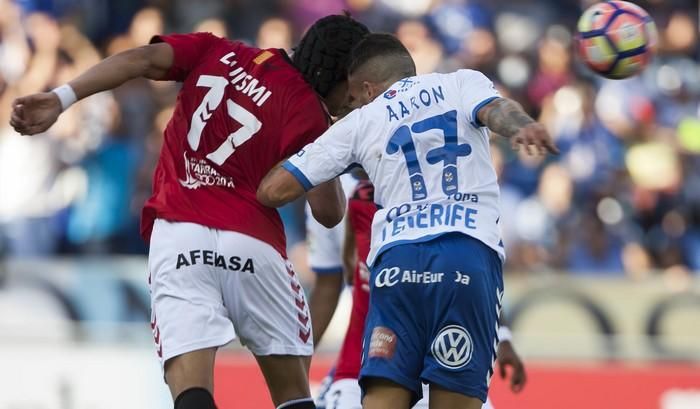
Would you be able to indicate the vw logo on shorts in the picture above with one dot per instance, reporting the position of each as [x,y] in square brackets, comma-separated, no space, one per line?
[387,277]
[453,347]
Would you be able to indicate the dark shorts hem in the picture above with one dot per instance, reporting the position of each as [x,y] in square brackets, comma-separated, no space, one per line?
[472,392]
[416,393]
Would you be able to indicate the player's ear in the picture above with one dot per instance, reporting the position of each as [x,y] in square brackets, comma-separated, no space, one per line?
[370,91]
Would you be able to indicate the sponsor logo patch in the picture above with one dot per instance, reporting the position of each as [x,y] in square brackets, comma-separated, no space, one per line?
[382,344]
[199,172]
[453,347]
[388,277]
[262,57]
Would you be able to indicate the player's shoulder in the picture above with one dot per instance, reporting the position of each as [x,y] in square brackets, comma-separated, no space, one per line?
[207,39]
[471,77]
[465,73]
[458,77]
[290,92]
[271,63]
[354,118]
[283,75]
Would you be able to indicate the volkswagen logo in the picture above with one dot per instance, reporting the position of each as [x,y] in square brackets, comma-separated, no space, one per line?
[387,277]
[453,347]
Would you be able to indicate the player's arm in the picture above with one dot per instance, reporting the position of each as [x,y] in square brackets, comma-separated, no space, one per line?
[507,357]
[327,200]
[36,113]
[326,292]
[313,170]
[507,118]
[324,300]
[349,251]
[325,260]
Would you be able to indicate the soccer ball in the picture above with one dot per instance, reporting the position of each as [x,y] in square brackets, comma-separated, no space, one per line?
[616,39]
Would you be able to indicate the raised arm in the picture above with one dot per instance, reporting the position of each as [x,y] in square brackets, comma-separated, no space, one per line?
[507,118]
[36,113]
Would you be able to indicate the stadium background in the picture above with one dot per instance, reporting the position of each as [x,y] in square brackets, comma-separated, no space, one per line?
[603,240]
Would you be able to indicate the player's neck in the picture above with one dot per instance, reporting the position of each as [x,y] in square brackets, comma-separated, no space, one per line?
[391,81]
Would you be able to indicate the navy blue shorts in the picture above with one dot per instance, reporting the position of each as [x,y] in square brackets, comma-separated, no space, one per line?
[433,315]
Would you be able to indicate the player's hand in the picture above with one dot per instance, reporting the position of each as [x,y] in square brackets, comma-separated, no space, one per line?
[35,113]
[507,357]
[535,139]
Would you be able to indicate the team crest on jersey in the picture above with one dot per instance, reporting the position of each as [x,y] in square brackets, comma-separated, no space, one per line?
[453,347]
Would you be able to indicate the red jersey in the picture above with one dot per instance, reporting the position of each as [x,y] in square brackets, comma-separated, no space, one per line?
[361,209]
[240,111]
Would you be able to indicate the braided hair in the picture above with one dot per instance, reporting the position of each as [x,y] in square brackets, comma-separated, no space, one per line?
[323,54]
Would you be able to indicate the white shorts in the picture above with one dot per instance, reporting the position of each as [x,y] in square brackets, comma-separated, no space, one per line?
[208,285]
[346,394]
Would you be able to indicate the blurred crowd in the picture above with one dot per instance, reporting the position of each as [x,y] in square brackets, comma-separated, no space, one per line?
[623,197]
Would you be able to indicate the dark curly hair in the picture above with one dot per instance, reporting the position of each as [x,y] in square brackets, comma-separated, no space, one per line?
[323,54]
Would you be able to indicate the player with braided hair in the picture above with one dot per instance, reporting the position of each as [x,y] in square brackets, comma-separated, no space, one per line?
[316,56]
[217,256]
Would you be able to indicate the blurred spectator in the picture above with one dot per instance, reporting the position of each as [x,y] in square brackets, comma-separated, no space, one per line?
[623,196]
[212,25]
[426,51]
[553,69]
[275,33]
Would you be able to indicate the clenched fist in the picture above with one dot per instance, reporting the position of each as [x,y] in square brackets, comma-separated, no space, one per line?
[35,113]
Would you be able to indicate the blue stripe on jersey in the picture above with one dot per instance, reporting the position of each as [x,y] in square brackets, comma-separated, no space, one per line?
[298,175]
[475,119]
[327,270]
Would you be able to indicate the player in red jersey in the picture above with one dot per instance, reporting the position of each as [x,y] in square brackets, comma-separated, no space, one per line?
[344,392]
[217,262]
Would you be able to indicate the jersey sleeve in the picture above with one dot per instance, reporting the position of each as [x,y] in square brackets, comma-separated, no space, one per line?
[476,91]
[326,158]
[188,50]
[324,246]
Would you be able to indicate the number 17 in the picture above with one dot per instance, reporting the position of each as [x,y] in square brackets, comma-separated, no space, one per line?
[402,139]
[205,110]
